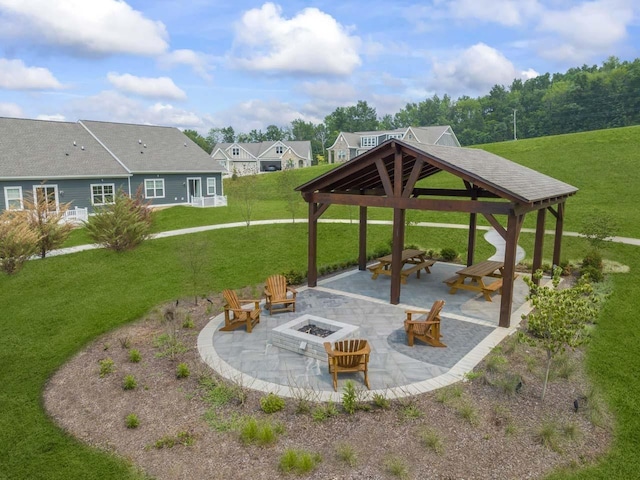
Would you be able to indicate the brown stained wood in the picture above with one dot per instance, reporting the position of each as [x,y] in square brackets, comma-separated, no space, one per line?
[235,316]
[348,356]
[384,177]
[557,244]
[427,329]
[514,224]
[312,249]
[413,178]
[277,292]
[396,251]
[497,226]
[539,244]
[362,239]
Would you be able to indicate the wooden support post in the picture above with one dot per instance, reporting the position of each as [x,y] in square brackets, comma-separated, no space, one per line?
[396,252]
[362,249]
[539,244]
[557,244]
[514,224]
[312,265]
[473,222]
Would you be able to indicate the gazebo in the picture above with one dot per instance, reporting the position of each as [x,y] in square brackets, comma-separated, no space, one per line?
[386,176]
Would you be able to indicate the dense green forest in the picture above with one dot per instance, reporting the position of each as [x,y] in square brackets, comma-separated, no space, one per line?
[581,99]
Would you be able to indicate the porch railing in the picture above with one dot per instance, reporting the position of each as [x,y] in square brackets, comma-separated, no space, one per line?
[77,214]
[215,201]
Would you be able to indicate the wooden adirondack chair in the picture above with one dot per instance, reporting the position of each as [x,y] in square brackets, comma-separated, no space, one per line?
[348,356]
[427,329]
[276,293]
[235,316]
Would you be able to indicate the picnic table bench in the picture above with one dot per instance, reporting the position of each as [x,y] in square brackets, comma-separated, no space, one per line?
[476,274]
[416,258]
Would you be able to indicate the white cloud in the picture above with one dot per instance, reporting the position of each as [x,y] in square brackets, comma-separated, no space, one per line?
[474,71]
[15,75]
[161,87]
[198,61]
[505,12]
[10,110]
[114,107]
[310,42]
[92,27]
[338,92]
[258,114]
[55,117]
[586,30]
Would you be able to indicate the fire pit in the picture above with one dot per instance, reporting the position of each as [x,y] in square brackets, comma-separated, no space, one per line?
[290,337]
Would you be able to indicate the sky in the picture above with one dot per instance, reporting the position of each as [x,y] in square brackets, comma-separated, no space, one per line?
[201,64]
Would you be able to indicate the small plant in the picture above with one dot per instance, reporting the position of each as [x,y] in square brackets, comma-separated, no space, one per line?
[562,367]
[182,370]
[432,440]
[218,394]
[448,254]
[125,342]
[468,412]
[380,401]
[347,454]
[185,438]
[547,435]
[221,423]
[509,384]
[397,467]
[261,433]
[129,382]
[571,431]
[446,394]
[134,355]
[349,397]
[271,403]
[474,374]
[323,412]
[106,366]
[299,461]
[495,363]
[131,421]
[188,322]
[410,412]
[169,345]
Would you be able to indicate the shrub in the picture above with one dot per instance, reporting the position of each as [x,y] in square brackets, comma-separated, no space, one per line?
[347,454]
[468,412]
[397,467]
[295,277]
[261,433]
[448,254]
[547,435]
[592,266]
[323,412]
[299,461]
[122,225]
[131,421]
[134,356]
[182,370]
[349,397]
[106,366]
[188,322]
[380,401]
[495,363]
[129,382]
[271,403]
[48,224]
[18,242]
[432,440]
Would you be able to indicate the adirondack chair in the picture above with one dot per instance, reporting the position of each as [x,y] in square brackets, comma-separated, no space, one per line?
[276,293]
[348,356]
[426,329]
[235,316]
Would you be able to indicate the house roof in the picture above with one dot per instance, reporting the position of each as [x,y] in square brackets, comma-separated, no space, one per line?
[302,148]
[486,170]
[45,149]
[429,135]
[152,149]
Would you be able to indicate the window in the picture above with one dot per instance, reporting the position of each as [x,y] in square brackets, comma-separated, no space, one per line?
[154,188]
[211,186]
[47,193]
[394,135]
[279,150]
[342,155]
[102,194]
[13,198]
[235,151]
[370,141]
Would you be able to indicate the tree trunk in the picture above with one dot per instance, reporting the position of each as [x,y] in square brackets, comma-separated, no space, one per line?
[546,374]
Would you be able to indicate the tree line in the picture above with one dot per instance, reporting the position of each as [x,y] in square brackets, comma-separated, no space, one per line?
[583,98]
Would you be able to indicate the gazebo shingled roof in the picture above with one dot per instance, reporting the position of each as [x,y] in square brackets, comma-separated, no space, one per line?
[386,176]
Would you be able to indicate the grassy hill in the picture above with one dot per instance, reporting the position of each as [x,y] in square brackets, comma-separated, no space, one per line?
[56,305]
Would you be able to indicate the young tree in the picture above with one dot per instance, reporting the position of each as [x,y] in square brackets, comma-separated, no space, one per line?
[47,222]
[288,181]
[559,316]
[18,241]
[123,225]
[196,261]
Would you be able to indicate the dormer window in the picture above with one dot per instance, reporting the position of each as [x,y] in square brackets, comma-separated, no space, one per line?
[235,151]
[279,150]
[369,141]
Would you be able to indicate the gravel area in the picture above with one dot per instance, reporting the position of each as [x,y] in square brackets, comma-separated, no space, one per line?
[477,429]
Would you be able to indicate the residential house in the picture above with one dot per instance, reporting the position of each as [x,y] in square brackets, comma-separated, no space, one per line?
[350,145]
[85,163]
[247,158]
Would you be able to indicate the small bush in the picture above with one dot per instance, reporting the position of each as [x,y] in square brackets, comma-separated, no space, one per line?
[446,394]
[509,384]
[182,370]
[547,435]
[432,440]
[134,356]
[323,412]
[185,438]
[592,266]
[448,254]
[129,382]
[188,322]
[380,401]
[106,366]
[397,467]
[468,412]
[169,345]
[299,461]
[495,363]
[349,397]
[347,454]
[271,403]
[131,421]
[18,241]
[261,433]
[295,277]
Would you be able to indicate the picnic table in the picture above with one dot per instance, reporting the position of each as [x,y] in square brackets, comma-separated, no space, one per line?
[476,274]
[416,258]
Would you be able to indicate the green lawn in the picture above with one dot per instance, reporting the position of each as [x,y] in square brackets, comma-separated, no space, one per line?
[56,305]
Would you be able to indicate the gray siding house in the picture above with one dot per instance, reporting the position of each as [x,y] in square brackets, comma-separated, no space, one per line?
[87,162]
[349,145]
[248,158]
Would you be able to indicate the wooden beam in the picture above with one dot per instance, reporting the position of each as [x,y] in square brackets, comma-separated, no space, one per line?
[471,240]
[514,224]
[396,254]
[362,247]
[320,209]
[443,205]
[539,244]
[384,177]
[497,226]
[413,178]
[397,172]
[451,192]
[312,264]
[557,244]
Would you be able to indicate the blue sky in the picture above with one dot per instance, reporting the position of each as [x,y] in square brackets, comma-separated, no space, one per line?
[202,64]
